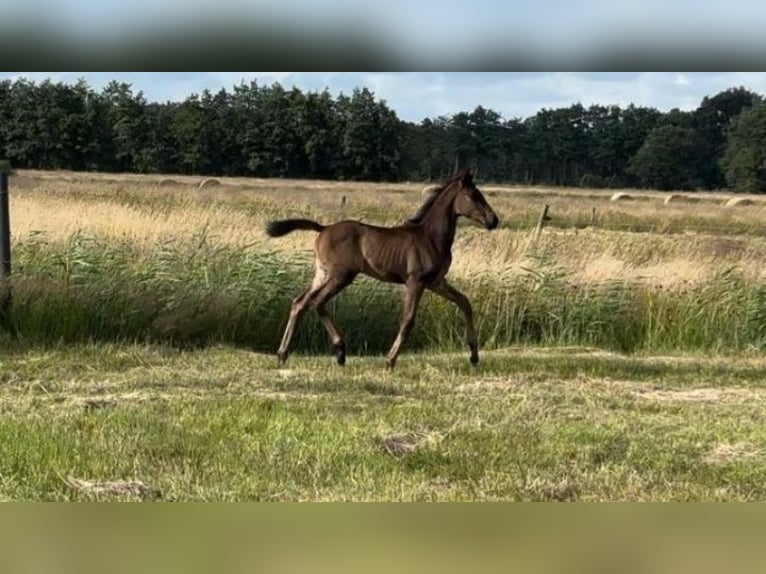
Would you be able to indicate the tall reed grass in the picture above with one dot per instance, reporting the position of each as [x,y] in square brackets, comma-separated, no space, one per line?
[198,292]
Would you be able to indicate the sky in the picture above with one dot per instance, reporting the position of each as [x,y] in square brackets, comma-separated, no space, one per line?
[418,95]
[440,26]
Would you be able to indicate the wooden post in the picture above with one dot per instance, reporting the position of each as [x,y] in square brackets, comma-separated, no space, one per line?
[593,217]
[541,222]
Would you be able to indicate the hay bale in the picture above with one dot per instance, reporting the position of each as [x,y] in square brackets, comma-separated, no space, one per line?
[675,198]
[621,196]
[212,182]
[429,189]
[680,198]
[168,182]
[738,202]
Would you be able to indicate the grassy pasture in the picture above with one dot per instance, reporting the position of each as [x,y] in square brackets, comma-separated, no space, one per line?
[620,361]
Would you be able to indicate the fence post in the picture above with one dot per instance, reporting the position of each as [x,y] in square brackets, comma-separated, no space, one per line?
[5,250]
[541,222]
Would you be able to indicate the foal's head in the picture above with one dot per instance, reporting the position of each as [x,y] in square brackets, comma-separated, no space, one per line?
[470,202]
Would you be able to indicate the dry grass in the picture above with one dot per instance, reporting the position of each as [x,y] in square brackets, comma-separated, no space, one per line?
[148,210]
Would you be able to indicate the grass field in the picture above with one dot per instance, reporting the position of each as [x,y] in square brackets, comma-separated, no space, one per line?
[620,361]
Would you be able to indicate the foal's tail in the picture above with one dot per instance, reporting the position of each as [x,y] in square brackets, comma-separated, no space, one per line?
[285,226]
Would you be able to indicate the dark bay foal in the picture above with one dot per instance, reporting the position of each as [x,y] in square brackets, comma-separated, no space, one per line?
[417,254]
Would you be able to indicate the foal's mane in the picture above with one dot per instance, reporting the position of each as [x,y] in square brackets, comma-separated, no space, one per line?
[432,197]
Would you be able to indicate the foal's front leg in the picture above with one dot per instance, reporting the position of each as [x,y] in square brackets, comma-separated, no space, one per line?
[412,294]
[447,291]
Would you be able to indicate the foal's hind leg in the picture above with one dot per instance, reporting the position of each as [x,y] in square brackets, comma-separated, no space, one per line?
[447,291]
[412,294]
[334,286]
[297,309]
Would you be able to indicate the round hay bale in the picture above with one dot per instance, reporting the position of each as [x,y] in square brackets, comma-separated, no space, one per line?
[168,182]
[429,189]
[621,196]
[212,182]
[680,198]
[738,202]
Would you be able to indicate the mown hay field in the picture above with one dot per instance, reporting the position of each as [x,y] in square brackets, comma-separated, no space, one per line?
[621,352]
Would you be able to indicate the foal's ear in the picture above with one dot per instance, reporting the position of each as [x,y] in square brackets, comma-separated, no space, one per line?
[467,178]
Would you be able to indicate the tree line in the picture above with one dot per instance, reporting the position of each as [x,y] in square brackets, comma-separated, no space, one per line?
[270,131]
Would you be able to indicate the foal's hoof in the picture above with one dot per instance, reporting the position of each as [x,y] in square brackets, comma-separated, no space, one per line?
[474,360]
[281,358]
[390,365]
[340,354]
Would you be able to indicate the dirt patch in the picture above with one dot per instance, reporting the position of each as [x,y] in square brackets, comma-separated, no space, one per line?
[491,385]
[129,488]
[699,395]
[727,453]
[405,443]
[102,401]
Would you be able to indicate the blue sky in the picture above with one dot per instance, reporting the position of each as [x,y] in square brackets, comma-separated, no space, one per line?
[416,95]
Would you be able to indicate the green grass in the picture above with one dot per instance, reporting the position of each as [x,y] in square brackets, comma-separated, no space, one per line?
[137,363]
[198,293]
[527,424]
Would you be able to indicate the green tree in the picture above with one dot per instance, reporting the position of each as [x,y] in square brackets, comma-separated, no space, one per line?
[129,125]
[23,142]
[249,116]
[560,145]
[712,120]
[194,130]
[480,141]
[316,119]
[370,137]
[668,159]
[515,154]
[617,134]
[5,114]
[744,158]
[282,152]
[427,150]
[162,145]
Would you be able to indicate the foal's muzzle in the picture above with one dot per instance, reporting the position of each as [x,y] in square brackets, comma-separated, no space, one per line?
[491,221]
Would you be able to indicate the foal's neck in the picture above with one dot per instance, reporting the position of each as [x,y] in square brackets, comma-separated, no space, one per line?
[441,221]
